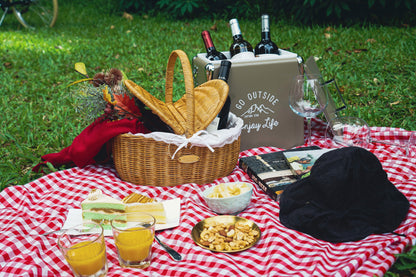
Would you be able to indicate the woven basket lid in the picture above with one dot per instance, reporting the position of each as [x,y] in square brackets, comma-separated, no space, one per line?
[195,110]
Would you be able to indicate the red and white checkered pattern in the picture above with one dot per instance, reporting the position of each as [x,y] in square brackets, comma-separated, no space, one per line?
[42,205]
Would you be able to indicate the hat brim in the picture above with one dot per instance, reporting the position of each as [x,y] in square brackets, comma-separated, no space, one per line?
[301,210]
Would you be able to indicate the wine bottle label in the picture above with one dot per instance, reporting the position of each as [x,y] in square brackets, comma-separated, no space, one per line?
[224,70]
[213,126]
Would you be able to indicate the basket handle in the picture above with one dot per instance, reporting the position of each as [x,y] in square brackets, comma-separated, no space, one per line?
[189,90]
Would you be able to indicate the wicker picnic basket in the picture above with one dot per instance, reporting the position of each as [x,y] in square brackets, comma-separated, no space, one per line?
[165,159]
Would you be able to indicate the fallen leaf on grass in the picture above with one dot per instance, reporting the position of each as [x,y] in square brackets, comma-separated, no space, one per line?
[335,52]
[81,68]
[127,16]
[329,29]
[356,50]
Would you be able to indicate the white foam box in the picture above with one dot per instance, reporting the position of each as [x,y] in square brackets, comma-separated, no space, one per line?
[259,92]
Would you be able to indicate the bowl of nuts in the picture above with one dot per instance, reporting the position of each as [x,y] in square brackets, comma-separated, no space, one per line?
[226,233]
[228,198]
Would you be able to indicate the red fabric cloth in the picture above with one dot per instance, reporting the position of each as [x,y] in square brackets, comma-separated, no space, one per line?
[87,145]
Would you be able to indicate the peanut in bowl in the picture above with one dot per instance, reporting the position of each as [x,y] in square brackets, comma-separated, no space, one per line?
[228,198]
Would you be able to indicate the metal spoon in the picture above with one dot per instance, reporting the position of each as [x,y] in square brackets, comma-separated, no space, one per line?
[175,255]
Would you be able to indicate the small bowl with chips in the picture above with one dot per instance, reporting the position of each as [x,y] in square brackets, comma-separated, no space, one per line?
[228,198]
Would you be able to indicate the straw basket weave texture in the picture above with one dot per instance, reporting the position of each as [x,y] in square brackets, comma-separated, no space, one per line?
[195,110]
[144,160]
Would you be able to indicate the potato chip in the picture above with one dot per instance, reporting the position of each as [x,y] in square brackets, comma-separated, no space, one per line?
[226,190]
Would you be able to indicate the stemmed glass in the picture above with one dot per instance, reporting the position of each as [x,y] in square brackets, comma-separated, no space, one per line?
[308,98]
[347,131]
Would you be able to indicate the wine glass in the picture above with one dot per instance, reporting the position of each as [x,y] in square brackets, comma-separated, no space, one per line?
[347,131]
[308,98]
[411,146]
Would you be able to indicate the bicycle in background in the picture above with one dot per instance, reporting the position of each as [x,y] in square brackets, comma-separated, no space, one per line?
[31,13]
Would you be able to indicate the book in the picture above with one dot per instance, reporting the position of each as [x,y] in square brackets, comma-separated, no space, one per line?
[271,171]
[301,162]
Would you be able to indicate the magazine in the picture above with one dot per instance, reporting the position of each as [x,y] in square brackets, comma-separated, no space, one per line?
[271,171]
[301,162]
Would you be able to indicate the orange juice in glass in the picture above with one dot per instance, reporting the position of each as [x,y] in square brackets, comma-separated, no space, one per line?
[83,247]
[134,239]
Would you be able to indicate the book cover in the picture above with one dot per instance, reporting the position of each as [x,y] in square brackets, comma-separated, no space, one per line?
[270,171]
[301,162]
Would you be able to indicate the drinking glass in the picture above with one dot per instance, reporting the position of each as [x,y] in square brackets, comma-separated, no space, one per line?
[348,131]
[83,247]
[308,98]
[133,235]
[411,146]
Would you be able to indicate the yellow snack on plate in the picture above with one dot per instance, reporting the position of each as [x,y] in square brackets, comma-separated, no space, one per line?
[226,190]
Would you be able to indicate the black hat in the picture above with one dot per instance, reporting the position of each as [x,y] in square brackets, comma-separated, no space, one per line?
[346,198]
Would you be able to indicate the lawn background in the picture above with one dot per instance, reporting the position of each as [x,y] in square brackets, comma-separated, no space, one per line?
[374,65]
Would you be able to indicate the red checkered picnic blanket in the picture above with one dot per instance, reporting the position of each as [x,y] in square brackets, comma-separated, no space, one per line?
[42,205]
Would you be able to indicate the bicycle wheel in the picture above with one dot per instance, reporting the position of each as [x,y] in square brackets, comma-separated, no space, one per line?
[36,13]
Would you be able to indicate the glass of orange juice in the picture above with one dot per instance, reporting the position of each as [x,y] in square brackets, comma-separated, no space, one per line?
[133,235]
[83,247]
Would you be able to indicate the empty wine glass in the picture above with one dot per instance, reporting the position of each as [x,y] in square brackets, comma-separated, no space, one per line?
[348,131]
[411,146]
[307,98]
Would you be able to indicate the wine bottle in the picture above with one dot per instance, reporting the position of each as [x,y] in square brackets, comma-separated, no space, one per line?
[223,74]
[266,45]
[220,122]
[152,121]
[239,45]
[212,53]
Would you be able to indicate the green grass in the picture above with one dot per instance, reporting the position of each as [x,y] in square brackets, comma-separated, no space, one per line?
[374,66]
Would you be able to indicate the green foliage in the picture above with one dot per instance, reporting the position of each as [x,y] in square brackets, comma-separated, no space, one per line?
[180,8]
[302,11]
[350,11]
[407,260]
[135,6]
